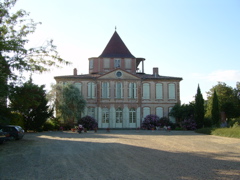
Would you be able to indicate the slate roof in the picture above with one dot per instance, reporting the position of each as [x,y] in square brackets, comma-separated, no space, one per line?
[140,75]
[116,48]
[152,76]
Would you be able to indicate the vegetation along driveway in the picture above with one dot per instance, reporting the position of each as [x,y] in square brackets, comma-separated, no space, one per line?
[120,154]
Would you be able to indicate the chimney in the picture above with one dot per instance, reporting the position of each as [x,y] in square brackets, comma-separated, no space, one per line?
[155,71]
[75,71]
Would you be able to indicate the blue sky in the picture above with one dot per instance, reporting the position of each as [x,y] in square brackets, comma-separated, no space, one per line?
[198,40]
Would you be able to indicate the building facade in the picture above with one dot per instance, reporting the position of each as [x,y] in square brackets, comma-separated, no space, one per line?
[118,93]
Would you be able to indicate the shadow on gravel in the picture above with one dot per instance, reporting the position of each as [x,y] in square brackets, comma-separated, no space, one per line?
[42,158]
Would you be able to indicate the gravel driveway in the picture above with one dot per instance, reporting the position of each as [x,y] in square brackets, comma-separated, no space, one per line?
[120,154]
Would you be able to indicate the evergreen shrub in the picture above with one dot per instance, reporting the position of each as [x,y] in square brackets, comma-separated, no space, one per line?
[88,122]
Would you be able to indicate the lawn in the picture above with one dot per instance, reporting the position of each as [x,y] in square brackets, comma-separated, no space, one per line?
[226,132]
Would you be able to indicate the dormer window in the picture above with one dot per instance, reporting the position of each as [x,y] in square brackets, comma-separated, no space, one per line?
[91,64]
[117,63]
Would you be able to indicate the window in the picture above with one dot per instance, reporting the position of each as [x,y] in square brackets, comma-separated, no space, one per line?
[119,116]
[119,91]
[91,64]
[159,112]
[146,91]
[106,63]
[128,64]
[91,90]
[132,115]
[171,118]
[105,90]
[79,86]
[117,63]
[132,90]
[171,91]
[105,115]
[91,112]
[146,111]
[159,91]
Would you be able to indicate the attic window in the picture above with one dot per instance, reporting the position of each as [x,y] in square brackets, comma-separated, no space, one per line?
[117,63]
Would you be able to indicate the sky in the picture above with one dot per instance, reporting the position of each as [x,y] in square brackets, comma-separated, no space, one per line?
[198,40]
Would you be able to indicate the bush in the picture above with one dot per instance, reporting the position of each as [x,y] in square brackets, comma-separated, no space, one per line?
[207,122]
[189,124]
[88,122]
[234,122]
[48,126]
[150,122]
[164,121]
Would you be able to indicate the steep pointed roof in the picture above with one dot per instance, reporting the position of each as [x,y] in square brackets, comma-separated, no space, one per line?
[116,48]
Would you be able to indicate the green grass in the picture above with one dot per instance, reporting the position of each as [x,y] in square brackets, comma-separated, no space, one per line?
[226,132]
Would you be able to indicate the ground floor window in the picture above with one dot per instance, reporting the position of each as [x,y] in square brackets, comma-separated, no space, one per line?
[119,116]
[132,115]
[91,112]
[105,115]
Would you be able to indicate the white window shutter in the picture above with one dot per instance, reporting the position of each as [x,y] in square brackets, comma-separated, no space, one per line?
[159,91]
[171,89]
[159,112]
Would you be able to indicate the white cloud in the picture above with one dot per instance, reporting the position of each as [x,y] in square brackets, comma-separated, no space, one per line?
[219,75]
[224,75]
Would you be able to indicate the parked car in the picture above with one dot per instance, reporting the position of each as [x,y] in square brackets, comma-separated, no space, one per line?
[3,136]
[15,132]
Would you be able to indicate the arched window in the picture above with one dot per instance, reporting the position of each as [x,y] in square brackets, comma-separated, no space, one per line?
[118,90]
[132,90]
[91,90]
[105,90]
[105,115]
[146,91]
[171,91]
[159,91]
[91,112]
[119,116]
[132,115]
[79,86]
[146,111]
[159,112]
[171,118]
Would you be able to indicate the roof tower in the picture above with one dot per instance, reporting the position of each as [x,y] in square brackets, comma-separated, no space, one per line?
[116,48]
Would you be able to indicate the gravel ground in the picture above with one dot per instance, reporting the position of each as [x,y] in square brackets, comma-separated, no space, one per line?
[120,154]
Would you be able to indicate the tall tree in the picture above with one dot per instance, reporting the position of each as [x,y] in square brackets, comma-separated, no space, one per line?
[15,58]
[199,108]
[69,102]
[215,113]
[30,101]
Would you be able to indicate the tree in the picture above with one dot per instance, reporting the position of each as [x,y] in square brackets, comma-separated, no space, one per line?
[215,113]
[30,101]
[199,108]
[228,100]
[15,58]
[69,102]
[181,112]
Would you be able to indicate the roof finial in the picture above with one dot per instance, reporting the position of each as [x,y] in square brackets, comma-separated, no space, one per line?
[115,28]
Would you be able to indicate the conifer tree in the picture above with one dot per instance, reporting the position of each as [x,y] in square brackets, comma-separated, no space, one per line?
[215,112]
[199,108]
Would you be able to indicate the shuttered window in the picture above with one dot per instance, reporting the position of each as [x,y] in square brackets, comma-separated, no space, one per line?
[105,90]
[119,90]
[132,90]
[146,111]
[159,112]
[79,86]
[146,91]
[171,91]
[159,91]
[91,90]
